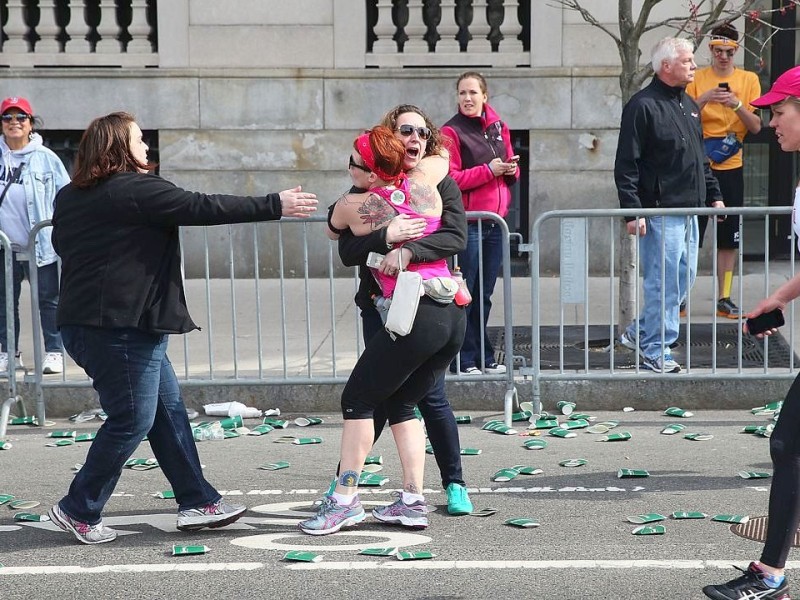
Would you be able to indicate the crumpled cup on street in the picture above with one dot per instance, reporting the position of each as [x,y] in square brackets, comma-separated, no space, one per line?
[231,409]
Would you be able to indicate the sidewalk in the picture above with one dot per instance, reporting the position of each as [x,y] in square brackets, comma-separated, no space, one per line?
[321,342]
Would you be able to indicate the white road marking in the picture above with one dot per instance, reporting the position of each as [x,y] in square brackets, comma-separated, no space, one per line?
[520,564]
[146,568]
[393,539]
[385,564]
[472,490]
[284,509]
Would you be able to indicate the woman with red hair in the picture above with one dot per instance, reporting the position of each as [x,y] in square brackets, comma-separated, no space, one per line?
[395,372]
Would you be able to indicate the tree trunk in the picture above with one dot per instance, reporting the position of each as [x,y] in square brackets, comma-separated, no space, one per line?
[630,81]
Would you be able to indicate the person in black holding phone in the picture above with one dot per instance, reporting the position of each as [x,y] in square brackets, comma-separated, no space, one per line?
[765,578]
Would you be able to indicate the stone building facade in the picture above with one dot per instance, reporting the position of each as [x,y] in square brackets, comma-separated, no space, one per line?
[250,96]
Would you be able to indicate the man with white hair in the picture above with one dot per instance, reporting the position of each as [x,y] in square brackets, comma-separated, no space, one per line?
[661,163]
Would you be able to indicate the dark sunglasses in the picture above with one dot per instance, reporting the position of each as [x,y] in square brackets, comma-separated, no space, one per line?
[19,117]
[721,51]
[353,163]
[406,130]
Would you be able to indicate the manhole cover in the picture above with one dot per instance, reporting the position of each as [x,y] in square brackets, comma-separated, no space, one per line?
[756,529]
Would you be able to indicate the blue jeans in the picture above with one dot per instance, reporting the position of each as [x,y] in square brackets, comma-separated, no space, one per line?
[48,302]
[139,392]
[440,423]
[484,251]
[679,237]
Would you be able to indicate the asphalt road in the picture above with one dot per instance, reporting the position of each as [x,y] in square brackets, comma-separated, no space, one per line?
[583,547]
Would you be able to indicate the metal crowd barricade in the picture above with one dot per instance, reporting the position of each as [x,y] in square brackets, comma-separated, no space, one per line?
[252,335]
[574,289]
[11,349]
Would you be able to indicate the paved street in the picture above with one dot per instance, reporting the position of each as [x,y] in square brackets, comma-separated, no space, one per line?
[582,549]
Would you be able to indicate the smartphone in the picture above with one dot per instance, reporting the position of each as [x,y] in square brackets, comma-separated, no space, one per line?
[766,321]
[724,85]
[374,259]
[513,159]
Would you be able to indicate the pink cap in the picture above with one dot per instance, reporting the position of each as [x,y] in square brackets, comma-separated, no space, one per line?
[786,85]
[16,102]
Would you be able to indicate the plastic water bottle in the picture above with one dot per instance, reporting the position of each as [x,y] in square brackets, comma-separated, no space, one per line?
[463,297]
[217,432]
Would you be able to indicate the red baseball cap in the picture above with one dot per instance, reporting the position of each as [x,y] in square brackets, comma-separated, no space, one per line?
[16,102]
[786,85]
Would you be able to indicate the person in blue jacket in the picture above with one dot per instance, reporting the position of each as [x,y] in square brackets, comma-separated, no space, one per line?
[31,176]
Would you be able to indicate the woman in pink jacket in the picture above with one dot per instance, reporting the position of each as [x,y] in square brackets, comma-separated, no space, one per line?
[484,165]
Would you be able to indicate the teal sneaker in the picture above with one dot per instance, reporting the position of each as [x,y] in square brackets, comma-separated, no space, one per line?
[458,502]
[331,517]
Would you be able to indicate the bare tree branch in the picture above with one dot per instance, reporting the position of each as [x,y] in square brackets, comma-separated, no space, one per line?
[587,16]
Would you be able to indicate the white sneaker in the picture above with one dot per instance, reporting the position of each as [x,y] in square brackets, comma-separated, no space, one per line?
[661,365]
[626,341]
[495,368]
[4,361]
[53,363]
[471,371]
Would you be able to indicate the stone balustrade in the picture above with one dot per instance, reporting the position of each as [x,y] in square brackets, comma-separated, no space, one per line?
[444,33]
[72,33]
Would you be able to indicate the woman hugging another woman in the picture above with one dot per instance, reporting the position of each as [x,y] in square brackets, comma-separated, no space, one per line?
[395,372]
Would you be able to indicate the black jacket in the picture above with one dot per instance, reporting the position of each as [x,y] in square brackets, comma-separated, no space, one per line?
[118,242]
[447,241]
[661,161]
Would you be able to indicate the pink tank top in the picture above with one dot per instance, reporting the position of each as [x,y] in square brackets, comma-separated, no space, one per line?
[397,199]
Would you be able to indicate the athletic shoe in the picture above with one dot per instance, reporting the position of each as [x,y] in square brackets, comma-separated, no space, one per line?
[624,340]
[4,361]
[458,502]
[86,534]
[470,371]
[331,517]
[727,309]
[53,363]
[495,368]
[414,515]
[656,364]
[218,514]
[749,585]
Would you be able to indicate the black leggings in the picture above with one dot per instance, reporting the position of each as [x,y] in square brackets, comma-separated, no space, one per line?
[784,495]
[400,372]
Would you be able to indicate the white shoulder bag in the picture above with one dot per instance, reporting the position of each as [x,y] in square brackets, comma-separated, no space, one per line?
[405,300]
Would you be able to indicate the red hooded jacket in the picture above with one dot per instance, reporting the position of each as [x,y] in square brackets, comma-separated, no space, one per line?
[474,141]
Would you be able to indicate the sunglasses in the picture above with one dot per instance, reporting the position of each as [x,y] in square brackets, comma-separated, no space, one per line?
[721,51]
[423,132]
[353,163]
[19,117]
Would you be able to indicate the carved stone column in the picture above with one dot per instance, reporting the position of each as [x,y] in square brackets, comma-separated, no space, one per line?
[108,29]
[48,28]
[77,29]
[139,29]
[16,28]
[415,29]
[385,30]
[448,28]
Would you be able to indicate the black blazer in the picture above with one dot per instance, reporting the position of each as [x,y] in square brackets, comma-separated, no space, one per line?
[120,253]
